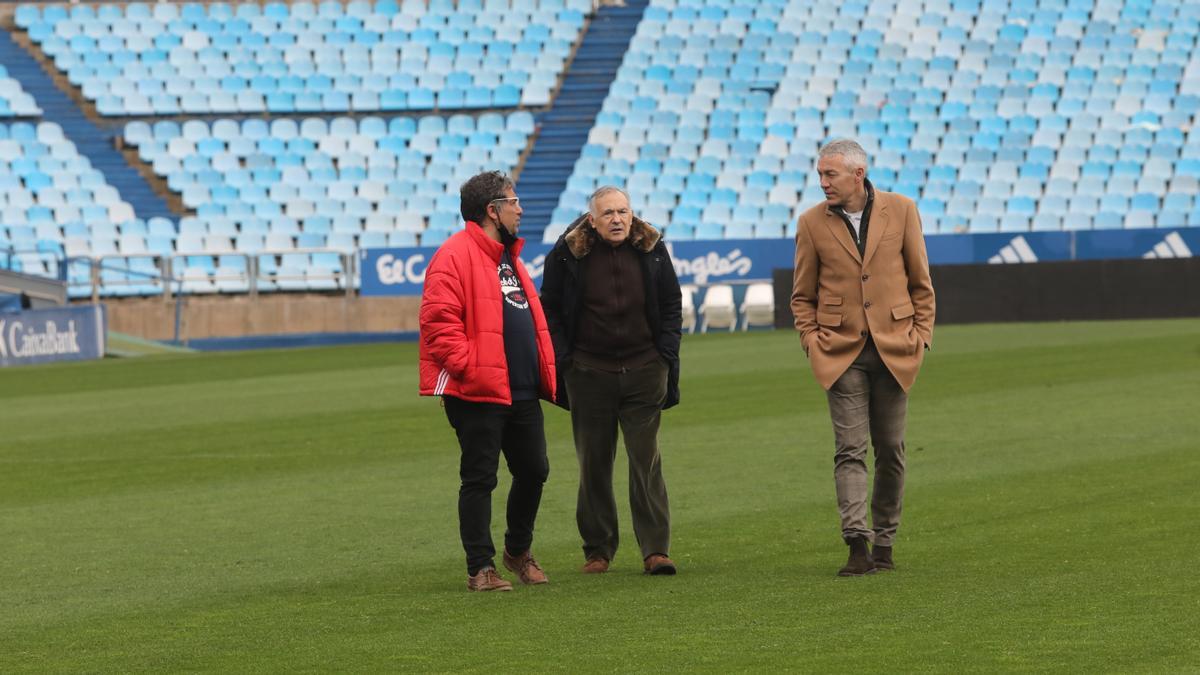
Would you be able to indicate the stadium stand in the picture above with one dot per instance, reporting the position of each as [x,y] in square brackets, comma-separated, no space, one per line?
[1007,116]
[167,59]
[994,116]
[308,187]
[53,203]
[314,183]
[93,139]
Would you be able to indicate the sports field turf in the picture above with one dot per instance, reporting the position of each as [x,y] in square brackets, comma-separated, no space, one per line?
[295,510]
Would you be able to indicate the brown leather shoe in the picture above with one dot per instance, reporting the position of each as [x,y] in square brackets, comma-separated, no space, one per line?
[526,568]
[657,563]
[486,579]
[595,566]
[860,562]
[882,557]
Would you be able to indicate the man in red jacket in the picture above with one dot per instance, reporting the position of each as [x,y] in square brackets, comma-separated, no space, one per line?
[486,351]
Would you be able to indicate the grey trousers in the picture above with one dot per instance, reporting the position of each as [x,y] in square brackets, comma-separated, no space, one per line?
[867,400]
[600,402]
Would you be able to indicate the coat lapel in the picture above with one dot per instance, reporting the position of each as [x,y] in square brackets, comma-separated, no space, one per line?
[877,227]
[837,227]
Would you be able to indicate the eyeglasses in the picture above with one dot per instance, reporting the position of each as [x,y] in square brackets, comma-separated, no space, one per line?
[515,201]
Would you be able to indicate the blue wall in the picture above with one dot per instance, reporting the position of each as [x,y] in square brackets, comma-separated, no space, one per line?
[401,271]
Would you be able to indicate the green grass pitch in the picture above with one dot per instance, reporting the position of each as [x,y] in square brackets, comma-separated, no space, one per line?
[294,510]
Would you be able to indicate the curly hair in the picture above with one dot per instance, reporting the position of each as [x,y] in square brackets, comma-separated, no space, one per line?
[479,191]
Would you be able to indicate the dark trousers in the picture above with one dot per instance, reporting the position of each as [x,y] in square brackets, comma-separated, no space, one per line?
[866,401]
[600,402]
[485,430]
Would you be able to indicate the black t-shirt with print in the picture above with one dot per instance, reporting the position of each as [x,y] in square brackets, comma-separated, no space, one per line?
[520,337]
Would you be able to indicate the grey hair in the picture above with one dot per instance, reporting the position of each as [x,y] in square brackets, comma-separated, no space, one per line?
[604,190]
[849,149]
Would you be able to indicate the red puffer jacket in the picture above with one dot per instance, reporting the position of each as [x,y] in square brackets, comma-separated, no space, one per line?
[462,321]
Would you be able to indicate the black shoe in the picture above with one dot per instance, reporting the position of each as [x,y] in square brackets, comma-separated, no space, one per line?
[882,556]
[860,562]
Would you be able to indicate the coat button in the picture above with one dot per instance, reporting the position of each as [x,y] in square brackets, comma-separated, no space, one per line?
[862,333]
[867,305]
[866,276]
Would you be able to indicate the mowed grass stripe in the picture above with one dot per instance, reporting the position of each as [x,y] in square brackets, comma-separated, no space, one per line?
[1048,488]
[193,368]
[249,397]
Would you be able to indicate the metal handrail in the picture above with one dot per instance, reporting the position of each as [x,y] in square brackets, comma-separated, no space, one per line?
[348,277]
[10,251]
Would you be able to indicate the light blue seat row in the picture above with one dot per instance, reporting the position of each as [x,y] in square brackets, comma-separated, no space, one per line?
[993,117]
[26,15]
[316,183]
[286,129]
[51,199]
[14,100]
[232,61]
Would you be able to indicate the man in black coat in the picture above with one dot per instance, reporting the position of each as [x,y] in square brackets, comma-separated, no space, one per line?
[614,309]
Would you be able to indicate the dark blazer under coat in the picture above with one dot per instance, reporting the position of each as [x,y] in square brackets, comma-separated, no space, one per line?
[562,296]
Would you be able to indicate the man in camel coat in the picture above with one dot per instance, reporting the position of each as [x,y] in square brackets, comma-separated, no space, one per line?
[863,303]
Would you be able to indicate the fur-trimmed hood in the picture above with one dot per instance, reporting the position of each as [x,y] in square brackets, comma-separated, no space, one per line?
[580,237]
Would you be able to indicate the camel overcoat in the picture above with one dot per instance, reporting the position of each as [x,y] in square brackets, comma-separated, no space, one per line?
[839,297]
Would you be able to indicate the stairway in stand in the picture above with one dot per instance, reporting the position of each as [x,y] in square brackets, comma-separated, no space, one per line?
[93,141]
[564,128]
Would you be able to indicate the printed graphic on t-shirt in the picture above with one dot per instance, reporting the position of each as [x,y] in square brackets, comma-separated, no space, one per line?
[510,285]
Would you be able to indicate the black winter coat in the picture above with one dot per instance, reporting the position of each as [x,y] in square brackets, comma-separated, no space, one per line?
[562,297]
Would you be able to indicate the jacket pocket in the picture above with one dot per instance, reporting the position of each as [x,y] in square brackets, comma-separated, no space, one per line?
[902,311]
[832,300]
[826,319]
